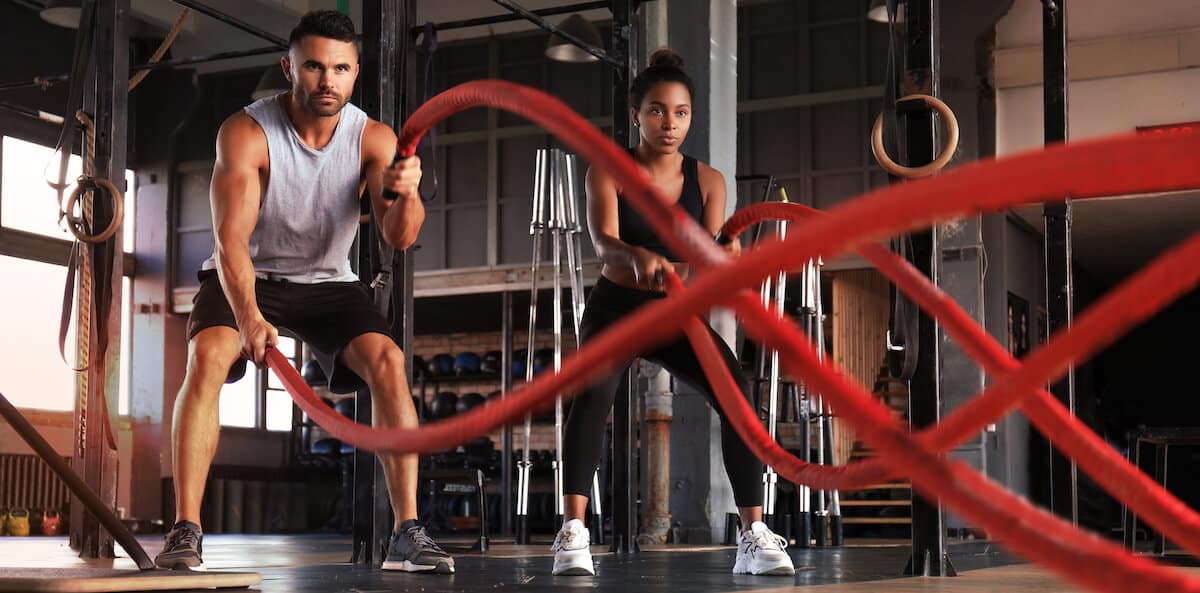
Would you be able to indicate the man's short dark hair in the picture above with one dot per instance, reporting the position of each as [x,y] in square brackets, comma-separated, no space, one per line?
[324,23]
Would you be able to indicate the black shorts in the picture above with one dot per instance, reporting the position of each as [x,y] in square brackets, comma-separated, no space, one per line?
[326,316]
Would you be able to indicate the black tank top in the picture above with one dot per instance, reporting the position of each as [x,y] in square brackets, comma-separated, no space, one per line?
[634,231]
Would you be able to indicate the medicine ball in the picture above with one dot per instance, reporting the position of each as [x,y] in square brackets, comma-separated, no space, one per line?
[314,375]
[444,405]
[543,360]
[468,401]
[441,365]
[328,446]
[518,363]
[466,363]
[490,365]
[345,407]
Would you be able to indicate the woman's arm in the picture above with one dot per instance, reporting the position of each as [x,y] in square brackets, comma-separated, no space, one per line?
[712,185]
[605,230]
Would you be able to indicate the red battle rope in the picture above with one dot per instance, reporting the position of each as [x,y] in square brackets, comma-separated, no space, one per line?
[1117,166]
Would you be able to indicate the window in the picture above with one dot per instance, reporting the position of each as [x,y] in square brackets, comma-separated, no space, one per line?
[278,402]
[33,313]
[809,87]
[35,375]
[30,204]
[238,404]
[258,399]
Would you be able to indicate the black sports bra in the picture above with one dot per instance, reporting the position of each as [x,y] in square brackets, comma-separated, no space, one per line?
[633,230]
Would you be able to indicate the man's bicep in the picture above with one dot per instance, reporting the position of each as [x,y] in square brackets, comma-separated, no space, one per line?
[236,186]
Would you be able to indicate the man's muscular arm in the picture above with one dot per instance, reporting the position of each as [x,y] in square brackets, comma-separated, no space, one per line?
[235,194]
[401,218]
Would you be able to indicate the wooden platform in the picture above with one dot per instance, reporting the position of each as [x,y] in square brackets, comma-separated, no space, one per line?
[106,580]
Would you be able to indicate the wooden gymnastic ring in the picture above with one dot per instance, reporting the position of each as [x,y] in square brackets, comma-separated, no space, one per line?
[75,223]
[940,162]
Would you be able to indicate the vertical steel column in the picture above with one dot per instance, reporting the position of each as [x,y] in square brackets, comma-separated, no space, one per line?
[106,99]
[537,229]
[625,466]
[386,64]
[1061,483]
[558,237]
[624,508]
[925,405]
[622,46]
[506,434]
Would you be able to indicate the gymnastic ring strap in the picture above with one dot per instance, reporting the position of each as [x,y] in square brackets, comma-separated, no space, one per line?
[77,224]
[948,149]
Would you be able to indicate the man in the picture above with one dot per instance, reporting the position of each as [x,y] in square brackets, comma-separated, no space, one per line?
[285,194]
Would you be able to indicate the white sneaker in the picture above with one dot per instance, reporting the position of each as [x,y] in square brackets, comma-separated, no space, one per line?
[572,551]
[760,551]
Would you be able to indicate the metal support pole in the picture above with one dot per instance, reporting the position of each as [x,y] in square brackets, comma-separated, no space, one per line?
[573,229]
[656,516]
[625,464]
[506,434]
[558,237]
[623,444]
[835,504]
[537,228]
[1062,490]
[387,63]
[107,103]
[925,402]
[622,44]
[814,296]
[770,478]
[802,523]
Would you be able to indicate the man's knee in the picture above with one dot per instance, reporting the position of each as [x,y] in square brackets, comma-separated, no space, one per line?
[387,366]
[211,353]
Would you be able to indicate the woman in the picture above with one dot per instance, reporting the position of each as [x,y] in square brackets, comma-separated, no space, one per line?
[632,258]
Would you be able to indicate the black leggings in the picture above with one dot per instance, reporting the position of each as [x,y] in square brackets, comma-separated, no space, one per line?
[583,438]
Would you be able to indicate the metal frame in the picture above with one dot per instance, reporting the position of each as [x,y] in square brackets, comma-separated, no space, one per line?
[614,59]
[108,104]
[929,556]
[171,63]
[1063,486]
[386,88]
[234,22]
[624,442]
[513,16]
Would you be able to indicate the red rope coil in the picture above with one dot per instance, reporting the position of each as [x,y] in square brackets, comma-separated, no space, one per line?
[1122,165]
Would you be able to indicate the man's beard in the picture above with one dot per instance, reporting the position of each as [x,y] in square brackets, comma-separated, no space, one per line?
[321,109]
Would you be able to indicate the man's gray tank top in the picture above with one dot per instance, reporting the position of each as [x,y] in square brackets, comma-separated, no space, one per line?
[309,213]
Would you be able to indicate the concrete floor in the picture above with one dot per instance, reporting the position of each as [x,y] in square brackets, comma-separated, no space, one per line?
[320,563]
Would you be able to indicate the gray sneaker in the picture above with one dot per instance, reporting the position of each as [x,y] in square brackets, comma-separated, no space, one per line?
[412,550]
[183,548]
